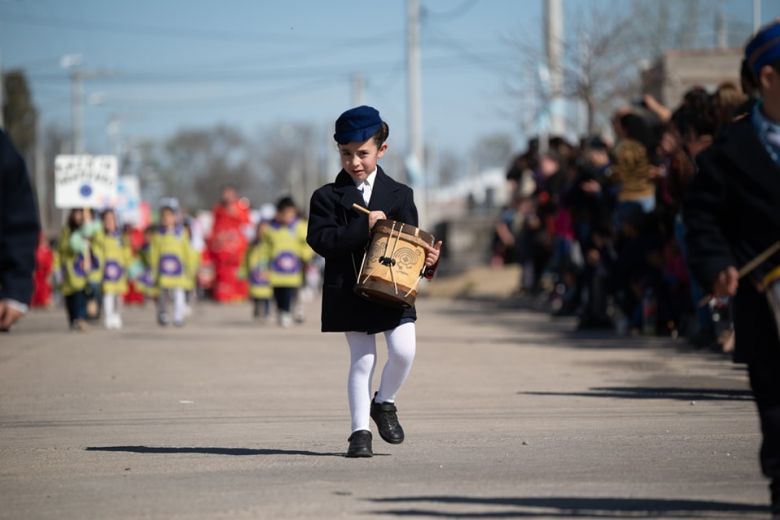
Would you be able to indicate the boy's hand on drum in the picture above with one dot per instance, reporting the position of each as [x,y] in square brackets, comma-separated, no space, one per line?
[432,254]
[374,217]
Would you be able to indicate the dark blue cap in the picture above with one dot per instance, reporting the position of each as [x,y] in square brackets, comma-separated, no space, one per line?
[357,125]
[764,47]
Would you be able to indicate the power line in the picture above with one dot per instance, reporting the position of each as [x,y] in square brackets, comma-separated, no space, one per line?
[220,102]
[261,75]
[164,31]
[443,16]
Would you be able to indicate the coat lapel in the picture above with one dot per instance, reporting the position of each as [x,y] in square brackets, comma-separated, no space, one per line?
[747,152]
[347,192]
[383,194]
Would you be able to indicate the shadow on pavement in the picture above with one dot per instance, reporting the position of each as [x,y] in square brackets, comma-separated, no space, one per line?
[570,507]
[643,392]
[211,451]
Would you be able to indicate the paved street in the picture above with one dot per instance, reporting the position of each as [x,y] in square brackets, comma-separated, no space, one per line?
[507,412]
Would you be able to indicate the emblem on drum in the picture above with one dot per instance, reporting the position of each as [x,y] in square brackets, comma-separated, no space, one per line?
[406,258]
[392,267]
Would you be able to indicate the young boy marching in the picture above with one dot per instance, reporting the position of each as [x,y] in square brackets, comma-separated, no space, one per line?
[340,234]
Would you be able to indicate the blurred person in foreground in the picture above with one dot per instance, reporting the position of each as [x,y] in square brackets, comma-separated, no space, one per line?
[732,215]
[19,229]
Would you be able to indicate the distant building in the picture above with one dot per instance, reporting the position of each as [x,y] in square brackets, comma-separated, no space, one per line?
[676,71]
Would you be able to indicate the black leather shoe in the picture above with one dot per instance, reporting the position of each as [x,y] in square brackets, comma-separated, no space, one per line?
[360,445]
[386,419]
[774,490]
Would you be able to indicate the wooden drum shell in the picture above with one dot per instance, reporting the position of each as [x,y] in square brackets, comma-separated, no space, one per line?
[393,264]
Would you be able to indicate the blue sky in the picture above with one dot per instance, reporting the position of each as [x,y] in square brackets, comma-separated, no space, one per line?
[163,65]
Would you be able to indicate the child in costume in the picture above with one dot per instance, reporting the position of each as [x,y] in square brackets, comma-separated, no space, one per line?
[340,234]
[285,243]
[78,261]
[116,254]
[169,259]
[255,270]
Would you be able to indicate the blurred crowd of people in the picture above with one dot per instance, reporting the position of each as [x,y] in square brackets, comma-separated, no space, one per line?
[597,227]
[97,265]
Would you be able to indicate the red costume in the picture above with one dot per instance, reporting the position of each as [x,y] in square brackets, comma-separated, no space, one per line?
[226,247]
[44,259]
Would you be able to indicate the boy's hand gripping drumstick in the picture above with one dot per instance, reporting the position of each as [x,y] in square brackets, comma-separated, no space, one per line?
[747,268]
[373,216]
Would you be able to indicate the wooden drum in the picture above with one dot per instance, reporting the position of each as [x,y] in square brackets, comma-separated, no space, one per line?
[393,264]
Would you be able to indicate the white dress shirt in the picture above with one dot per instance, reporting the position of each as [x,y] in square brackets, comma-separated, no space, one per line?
[367,186]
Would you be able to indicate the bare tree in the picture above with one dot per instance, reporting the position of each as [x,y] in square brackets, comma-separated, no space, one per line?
[450,167]
[289,159]
[606,46]
[603,51]
[193,165]
[493,151]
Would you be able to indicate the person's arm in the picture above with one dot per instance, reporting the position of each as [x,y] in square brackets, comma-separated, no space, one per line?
[19,228]
[705,214]
[327,236]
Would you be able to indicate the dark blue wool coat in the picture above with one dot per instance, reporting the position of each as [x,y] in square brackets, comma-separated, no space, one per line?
[340,234]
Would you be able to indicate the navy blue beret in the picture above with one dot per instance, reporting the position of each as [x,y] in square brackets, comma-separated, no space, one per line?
[764,47]
[357,125]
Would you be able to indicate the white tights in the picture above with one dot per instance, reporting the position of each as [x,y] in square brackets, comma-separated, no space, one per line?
[178,297]
[401,345]
[111,307]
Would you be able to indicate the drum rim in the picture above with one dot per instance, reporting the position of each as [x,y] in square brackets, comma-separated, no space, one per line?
[416,233]
[371,290]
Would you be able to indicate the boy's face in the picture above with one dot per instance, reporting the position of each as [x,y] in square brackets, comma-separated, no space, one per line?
[359,159]
[769,82]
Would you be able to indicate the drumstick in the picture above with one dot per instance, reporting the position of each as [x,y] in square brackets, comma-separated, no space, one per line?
[748,267]
[361,208]
[760,259]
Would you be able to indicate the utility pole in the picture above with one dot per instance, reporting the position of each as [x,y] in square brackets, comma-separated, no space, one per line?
[720,28]
[73,63]
[77,108]
[756,15]
[553,18]
[357,89]
[2,92]
[414,162]
[41,186]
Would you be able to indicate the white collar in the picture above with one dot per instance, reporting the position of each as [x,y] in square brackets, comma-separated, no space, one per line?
[369,180]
